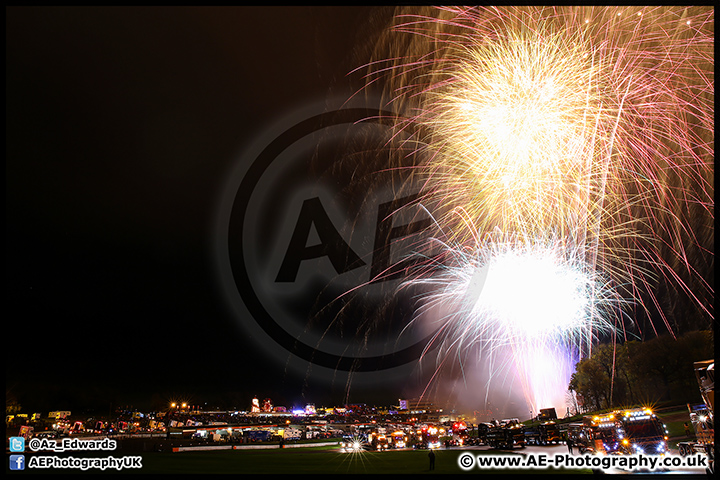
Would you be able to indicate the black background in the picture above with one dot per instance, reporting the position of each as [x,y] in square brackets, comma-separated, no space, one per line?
[122,124]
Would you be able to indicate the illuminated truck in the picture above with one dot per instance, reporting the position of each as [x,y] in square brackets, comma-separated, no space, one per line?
[601,435]
[549,433]
[459,434]
[702,416]
[428,436]
[399,439]
[629,431]
[642,431]
[380,441]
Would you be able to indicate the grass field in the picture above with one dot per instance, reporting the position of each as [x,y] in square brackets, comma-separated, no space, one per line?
[315,461]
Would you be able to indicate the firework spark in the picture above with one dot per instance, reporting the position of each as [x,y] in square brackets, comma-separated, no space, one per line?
[584,136]
[531,303]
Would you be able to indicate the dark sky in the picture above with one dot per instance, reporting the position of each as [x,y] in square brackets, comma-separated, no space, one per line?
[122,124]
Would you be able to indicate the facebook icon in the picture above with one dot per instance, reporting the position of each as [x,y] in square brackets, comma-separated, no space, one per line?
[17,462]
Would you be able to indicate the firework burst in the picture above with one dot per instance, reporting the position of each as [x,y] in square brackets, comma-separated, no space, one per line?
[533,305]
[570,166]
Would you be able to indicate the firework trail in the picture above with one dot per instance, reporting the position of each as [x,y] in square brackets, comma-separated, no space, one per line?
[565,144]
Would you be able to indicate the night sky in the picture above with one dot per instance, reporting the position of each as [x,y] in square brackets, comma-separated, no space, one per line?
[122,125]
[124,128]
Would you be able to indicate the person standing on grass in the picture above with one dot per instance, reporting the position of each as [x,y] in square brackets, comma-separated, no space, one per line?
[432,459]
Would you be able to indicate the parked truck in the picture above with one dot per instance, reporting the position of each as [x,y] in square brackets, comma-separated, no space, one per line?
[642,431]
[547,414]
[482,433]
[579,434]
[702,416]
[600,435]
[623,432]
[506,434]
[545,433]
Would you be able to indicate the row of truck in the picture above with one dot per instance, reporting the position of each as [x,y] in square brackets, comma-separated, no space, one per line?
[629,431]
